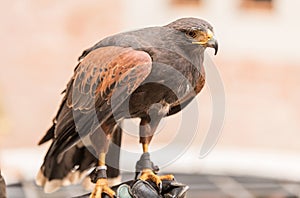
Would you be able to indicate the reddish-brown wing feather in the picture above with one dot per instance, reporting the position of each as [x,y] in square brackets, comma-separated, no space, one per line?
[104,68]
[104,73]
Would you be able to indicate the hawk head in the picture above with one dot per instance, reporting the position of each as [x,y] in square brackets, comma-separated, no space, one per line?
[198,31]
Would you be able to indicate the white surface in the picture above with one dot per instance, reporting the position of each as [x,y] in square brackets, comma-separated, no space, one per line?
[24,163]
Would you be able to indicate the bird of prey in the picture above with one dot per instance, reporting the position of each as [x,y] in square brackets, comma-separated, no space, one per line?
[149,74]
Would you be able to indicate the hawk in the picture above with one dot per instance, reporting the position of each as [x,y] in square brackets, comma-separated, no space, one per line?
[149,74]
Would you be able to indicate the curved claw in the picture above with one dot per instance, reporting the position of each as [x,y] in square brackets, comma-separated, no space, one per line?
[102,187]
[148,174]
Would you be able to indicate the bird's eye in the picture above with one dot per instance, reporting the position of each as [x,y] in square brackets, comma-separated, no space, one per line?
[192,34]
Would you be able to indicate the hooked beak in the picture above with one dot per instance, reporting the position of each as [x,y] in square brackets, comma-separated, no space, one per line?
[213,43]
[208,41]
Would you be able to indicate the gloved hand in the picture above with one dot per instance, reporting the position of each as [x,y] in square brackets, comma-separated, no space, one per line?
[141,189]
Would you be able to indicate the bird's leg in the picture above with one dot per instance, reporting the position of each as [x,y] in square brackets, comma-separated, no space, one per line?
[100,140]
[145,165]
[145,148]
[149,170]
[101,180]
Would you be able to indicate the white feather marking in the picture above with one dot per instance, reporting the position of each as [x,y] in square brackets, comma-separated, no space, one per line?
[53,185]
[84,174]
[40,179]
[165,109]
[75,177]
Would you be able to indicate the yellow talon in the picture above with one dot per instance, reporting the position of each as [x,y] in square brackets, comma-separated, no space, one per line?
[102,187]
[147,174]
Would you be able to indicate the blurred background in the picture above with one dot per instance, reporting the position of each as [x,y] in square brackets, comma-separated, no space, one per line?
[258,61]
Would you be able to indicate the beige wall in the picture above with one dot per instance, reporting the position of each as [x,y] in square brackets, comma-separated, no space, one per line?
[41,41]
[258,61]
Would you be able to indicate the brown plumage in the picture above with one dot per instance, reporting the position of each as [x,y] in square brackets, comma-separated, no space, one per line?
[121,77]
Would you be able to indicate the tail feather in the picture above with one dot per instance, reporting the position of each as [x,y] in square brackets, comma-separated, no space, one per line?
[49,135]
[75,164]
[70,170]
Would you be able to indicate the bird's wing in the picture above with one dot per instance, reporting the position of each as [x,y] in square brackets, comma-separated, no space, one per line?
[102,81]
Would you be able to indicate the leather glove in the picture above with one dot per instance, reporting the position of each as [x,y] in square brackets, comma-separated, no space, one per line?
[141,189]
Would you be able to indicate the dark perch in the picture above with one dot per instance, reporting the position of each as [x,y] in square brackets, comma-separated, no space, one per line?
[140,188]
